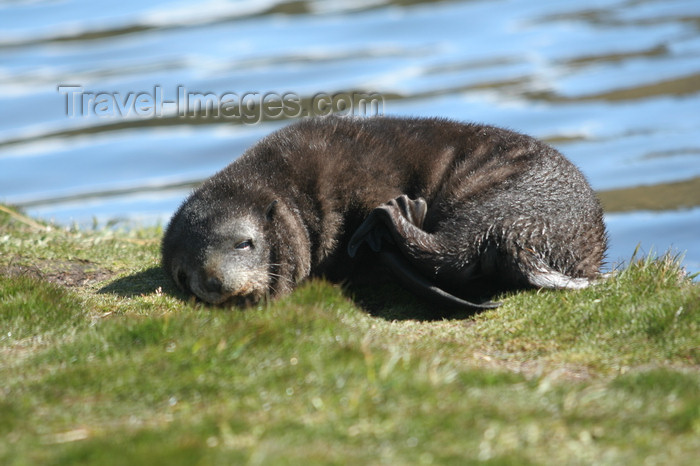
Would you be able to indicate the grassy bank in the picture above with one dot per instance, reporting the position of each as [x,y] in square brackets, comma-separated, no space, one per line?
[102,362]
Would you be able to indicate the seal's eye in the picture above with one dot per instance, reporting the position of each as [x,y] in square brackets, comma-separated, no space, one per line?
[245,244]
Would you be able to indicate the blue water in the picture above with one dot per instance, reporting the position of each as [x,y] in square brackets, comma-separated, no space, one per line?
[614,85]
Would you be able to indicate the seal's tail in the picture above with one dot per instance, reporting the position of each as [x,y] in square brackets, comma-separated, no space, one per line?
[539,274]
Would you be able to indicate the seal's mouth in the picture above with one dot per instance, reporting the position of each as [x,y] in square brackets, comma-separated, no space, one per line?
[244,302]
[214,291]
[240,301]
[226,288]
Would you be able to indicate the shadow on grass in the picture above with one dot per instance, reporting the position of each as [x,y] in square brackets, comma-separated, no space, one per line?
[142,283]
[390,301]
[386,301]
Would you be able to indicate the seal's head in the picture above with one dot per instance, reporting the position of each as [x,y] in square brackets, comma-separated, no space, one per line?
[229,249]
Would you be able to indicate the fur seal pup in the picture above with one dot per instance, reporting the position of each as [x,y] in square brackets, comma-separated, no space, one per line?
[454,210]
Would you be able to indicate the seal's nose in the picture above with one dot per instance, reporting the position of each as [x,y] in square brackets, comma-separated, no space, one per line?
[212,285]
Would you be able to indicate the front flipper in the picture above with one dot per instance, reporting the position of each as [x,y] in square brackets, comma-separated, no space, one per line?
[399,222]
[419,285]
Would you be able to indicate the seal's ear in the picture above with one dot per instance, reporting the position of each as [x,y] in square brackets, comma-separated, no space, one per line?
[270,210]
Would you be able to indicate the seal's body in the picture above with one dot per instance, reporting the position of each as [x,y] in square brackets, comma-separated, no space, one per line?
[450,207]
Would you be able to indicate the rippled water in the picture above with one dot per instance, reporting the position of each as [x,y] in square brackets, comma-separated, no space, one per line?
[615,85]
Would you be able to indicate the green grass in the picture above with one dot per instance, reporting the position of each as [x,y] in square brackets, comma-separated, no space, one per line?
[102,362]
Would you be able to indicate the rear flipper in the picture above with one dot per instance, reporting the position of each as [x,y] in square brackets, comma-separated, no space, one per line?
[400,222]
[381,224]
